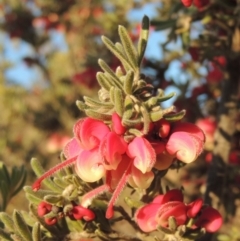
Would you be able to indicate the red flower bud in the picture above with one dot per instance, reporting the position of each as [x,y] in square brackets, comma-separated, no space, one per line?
[44,208]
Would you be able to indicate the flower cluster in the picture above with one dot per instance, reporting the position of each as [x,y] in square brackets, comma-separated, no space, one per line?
[101,151]
[52,213]
[194,215]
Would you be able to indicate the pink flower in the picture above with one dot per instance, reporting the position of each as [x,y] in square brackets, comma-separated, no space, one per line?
[44,208]
[185,142]
[210,219]
[155,214]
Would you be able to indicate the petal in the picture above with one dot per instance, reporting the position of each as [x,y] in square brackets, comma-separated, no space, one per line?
[117,126]
[141,180]
[176,209]
[164,161]
[173,195]
[146,217]
[88,166]
[111,150]
[164,128]
[184,146]
[188,128]
[118,173]
[72,148]
[90,132]
[194,208]
[210,219]
[144,156]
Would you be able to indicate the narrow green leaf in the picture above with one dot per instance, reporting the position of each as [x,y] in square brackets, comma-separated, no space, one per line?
[109,44]
[121,49]
[175,116]
[4,175]
[128,107]
[119,102]
[54,199]
[135,132]
[36,232]
[108,70]
[114,81]
[96,104]
[128,46]
[166,97]
[98,116]
[132,123]
[156,115]
[142,43]
[21,226]
[119,72]
[103,82]
[21,182]
[5,194]
[81,105]
[146,119]
[7,221]
[112,95]
[128,82]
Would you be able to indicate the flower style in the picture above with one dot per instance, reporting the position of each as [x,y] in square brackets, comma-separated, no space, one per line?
[157,213]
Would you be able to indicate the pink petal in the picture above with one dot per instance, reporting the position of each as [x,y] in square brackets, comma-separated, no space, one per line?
[188,128]
[176,209]
[88,166]
[72,148]
[111,149]
[146,217]
[158,199]
[210,219]
[118,173]
[117,126]
[143,154]
[184,146]
[173,195]
[139,179]
[194,208]
[90,132]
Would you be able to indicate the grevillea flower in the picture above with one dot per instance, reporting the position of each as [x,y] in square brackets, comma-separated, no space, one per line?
[198,3]
[185,142]
[157,213]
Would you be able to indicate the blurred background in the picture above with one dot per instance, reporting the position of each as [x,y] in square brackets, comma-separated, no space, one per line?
[48,59]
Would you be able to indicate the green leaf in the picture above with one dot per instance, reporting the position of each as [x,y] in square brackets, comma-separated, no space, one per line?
[109,44]
[7,221]
[103,81]
[4,175]
[175,116]
[4,236]
[142,43]
[81,105]
[21,179]
[21,226]
[98,116]
[128,46]
[4,187]
[128,108]
[128,82]
[36,232]
[119,102]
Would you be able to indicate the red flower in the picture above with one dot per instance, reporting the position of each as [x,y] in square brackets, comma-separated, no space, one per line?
[210,219]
